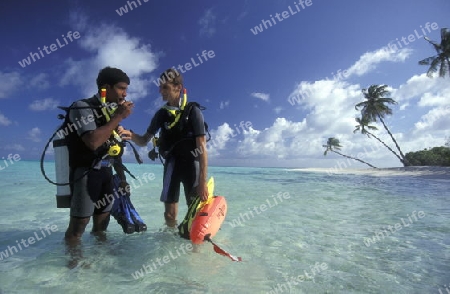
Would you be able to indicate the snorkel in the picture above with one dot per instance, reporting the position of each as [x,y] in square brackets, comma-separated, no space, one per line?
[178,113]
[114,149]
[184,101]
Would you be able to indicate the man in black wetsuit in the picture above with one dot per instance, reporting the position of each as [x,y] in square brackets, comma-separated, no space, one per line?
[182,133]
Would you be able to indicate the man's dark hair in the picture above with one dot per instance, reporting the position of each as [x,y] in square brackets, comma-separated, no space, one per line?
[171,75]
[111,76]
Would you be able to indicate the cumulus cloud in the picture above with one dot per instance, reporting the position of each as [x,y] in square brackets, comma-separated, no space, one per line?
[207,23]
[281,139]
[327,101]
[14,147]
[4,121]
[262,96]
[328,107]
[224,104]
[10,83]
[35,134]
[369,61]
[219,139]
[437,119]
[418,85]
[110,45]
[43,104]
[278,109]
[40,81]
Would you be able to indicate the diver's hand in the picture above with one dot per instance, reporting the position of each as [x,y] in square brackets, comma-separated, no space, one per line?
[124,109]
[202,191]
[124,134]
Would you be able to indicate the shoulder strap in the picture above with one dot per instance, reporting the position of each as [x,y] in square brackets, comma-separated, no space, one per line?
[186,113]
[92,102]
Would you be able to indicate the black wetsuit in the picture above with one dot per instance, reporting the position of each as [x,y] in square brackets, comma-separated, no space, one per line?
[178,147]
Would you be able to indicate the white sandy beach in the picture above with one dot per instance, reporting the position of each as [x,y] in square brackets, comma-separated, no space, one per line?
[434,172]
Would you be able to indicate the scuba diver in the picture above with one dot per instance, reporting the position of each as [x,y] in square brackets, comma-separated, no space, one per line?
[92,149]
[181,143]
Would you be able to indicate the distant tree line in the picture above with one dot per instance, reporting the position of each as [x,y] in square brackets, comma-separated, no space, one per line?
[436,156]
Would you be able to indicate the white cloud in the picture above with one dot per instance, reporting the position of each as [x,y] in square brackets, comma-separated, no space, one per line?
[11,81]
[328,101]
[40,81]
[34,134]
[328,107]
[111,46]
[242,15]
[278,141]
[418,85]
[207,23]
[369,61]
[278,109]
[219,139]
[429,101]
[14,147]
[262,96]
[44,104]
[437,119]
[4,121]
[224,104]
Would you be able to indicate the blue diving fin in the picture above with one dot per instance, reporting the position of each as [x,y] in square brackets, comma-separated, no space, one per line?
[139,224]
[120,210]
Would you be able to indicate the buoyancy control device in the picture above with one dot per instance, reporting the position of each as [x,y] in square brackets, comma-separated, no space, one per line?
[61,139]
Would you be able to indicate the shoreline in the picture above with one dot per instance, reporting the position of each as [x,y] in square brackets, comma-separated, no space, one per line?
[431,172]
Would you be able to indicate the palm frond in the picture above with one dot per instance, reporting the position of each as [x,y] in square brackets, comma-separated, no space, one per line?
[427,60]
[441,62]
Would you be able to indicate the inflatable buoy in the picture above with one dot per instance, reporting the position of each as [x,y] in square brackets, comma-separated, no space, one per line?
[208,219]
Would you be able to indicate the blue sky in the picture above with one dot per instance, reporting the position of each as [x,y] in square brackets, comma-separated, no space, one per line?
[277,82]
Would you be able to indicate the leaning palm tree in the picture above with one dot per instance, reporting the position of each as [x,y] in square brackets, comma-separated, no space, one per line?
[375,109]
[363,126]
[333,144]
[441,60]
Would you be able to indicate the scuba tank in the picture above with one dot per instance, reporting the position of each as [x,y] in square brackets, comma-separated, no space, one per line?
[61,140]
[62,170]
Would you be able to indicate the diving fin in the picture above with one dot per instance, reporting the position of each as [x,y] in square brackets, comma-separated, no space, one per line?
[139,224]
[120,211]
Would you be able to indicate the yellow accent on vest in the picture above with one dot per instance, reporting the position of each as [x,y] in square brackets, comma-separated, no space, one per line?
[177,113]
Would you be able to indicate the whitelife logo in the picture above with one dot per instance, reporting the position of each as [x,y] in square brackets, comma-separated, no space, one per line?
[53,47]
[284,15]
[187,66]
[31,240]
[15,157]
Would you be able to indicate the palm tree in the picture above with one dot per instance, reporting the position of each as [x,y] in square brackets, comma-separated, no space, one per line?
[333,144]
[363,125]
[441,60]
[374,109]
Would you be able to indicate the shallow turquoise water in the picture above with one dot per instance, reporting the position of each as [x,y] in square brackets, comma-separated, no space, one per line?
[312,240]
